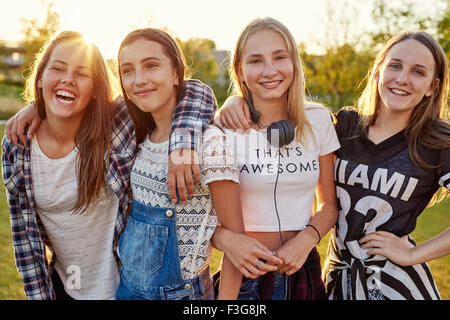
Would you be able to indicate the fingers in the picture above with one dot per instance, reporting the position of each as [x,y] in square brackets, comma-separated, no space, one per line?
[171,181]
[20,130]
[184,173]
[189,181]
[227,121]
[240,119]
[32,129]
[247,112]
[181,187]
[8,130]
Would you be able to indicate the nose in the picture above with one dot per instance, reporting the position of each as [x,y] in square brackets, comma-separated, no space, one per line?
[68,79]
[269,70]
[141,78]
[402,77]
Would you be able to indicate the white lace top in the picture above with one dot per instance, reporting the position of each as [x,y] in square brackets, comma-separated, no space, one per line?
[196,221]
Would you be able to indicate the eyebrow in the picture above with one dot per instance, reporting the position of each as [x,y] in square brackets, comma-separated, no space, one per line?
[416,65]
[62,62]
[274,52]
[142,61]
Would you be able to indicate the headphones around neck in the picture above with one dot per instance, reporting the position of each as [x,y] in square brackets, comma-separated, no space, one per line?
[286,133]
[285,129]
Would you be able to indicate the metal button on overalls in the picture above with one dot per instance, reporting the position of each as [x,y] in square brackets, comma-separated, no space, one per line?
[187,286]
[169,213]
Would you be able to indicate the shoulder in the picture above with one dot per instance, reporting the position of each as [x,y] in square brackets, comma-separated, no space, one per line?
[212,132]
[347,122]
[317,113]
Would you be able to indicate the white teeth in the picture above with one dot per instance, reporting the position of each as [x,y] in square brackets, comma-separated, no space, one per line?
[271,83]
[400,92]
[65,101]
[65,94]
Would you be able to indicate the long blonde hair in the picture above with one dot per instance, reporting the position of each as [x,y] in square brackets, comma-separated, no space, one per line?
[429,122]
[296,92]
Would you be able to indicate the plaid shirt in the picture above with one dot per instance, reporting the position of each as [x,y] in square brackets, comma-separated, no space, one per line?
[194,112]
[29,237]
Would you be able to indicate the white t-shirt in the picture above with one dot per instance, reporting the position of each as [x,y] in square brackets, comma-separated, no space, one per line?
[197,220]
[298,167]
[82,242]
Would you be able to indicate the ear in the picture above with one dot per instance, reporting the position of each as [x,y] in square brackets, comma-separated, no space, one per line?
[377,76]
[433,87]
[240,75]
[176,81]
[39,84]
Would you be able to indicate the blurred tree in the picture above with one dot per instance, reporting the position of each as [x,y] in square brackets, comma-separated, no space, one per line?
[200,59]
[335,78]
[443,31]
[37,33]
[395,17]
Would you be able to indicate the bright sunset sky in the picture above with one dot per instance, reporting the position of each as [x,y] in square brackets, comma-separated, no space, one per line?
[106,22]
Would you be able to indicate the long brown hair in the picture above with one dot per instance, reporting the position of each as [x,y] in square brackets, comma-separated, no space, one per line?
[429,124]
[94,135]
[143,121]
[296,93]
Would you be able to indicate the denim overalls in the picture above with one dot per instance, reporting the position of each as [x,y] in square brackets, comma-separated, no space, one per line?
[151,270]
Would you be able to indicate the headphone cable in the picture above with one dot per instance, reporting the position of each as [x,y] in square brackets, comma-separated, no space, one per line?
[275,198]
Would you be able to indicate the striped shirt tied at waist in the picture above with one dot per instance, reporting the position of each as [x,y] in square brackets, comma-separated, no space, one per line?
[375,278]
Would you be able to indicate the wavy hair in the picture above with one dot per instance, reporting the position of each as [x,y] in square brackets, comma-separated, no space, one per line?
[94,135]
[429,124]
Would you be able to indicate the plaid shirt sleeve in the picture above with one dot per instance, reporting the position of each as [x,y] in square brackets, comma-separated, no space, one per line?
[121,159]
[194,112]
[30,268]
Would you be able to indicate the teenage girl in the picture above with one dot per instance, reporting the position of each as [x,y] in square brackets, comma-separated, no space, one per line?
[57,192]
[166,247]
[279,177]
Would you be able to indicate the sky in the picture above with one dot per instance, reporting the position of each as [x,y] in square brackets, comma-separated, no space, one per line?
[107,22]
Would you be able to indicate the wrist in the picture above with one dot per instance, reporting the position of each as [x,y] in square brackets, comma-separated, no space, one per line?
[308,237]
[314,231]
[220,237]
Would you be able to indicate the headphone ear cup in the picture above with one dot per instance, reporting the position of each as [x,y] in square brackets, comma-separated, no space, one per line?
[286,133]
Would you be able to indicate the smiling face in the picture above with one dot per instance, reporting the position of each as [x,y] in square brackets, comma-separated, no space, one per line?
[406,76]
[148,77]
[66,81]
[266,66]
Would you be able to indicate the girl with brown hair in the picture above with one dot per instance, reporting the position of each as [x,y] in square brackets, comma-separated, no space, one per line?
[57,191]
[166,247]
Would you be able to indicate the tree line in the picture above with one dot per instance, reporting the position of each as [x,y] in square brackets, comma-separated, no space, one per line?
[334,77]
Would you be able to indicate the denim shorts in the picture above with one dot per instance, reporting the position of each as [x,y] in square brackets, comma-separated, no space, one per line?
[249,288]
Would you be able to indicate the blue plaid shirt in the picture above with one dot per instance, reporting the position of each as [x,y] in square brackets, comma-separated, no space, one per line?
[197,104]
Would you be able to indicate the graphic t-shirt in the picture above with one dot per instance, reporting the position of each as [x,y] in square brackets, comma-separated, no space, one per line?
[380,188]
[293,169]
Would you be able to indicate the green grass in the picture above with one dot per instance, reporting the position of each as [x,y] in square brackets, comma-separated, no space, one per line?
[433,221]
[10,100]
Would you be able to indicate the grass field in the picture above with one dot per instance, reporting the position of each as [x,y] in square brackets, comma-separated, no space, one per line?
[430,223]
